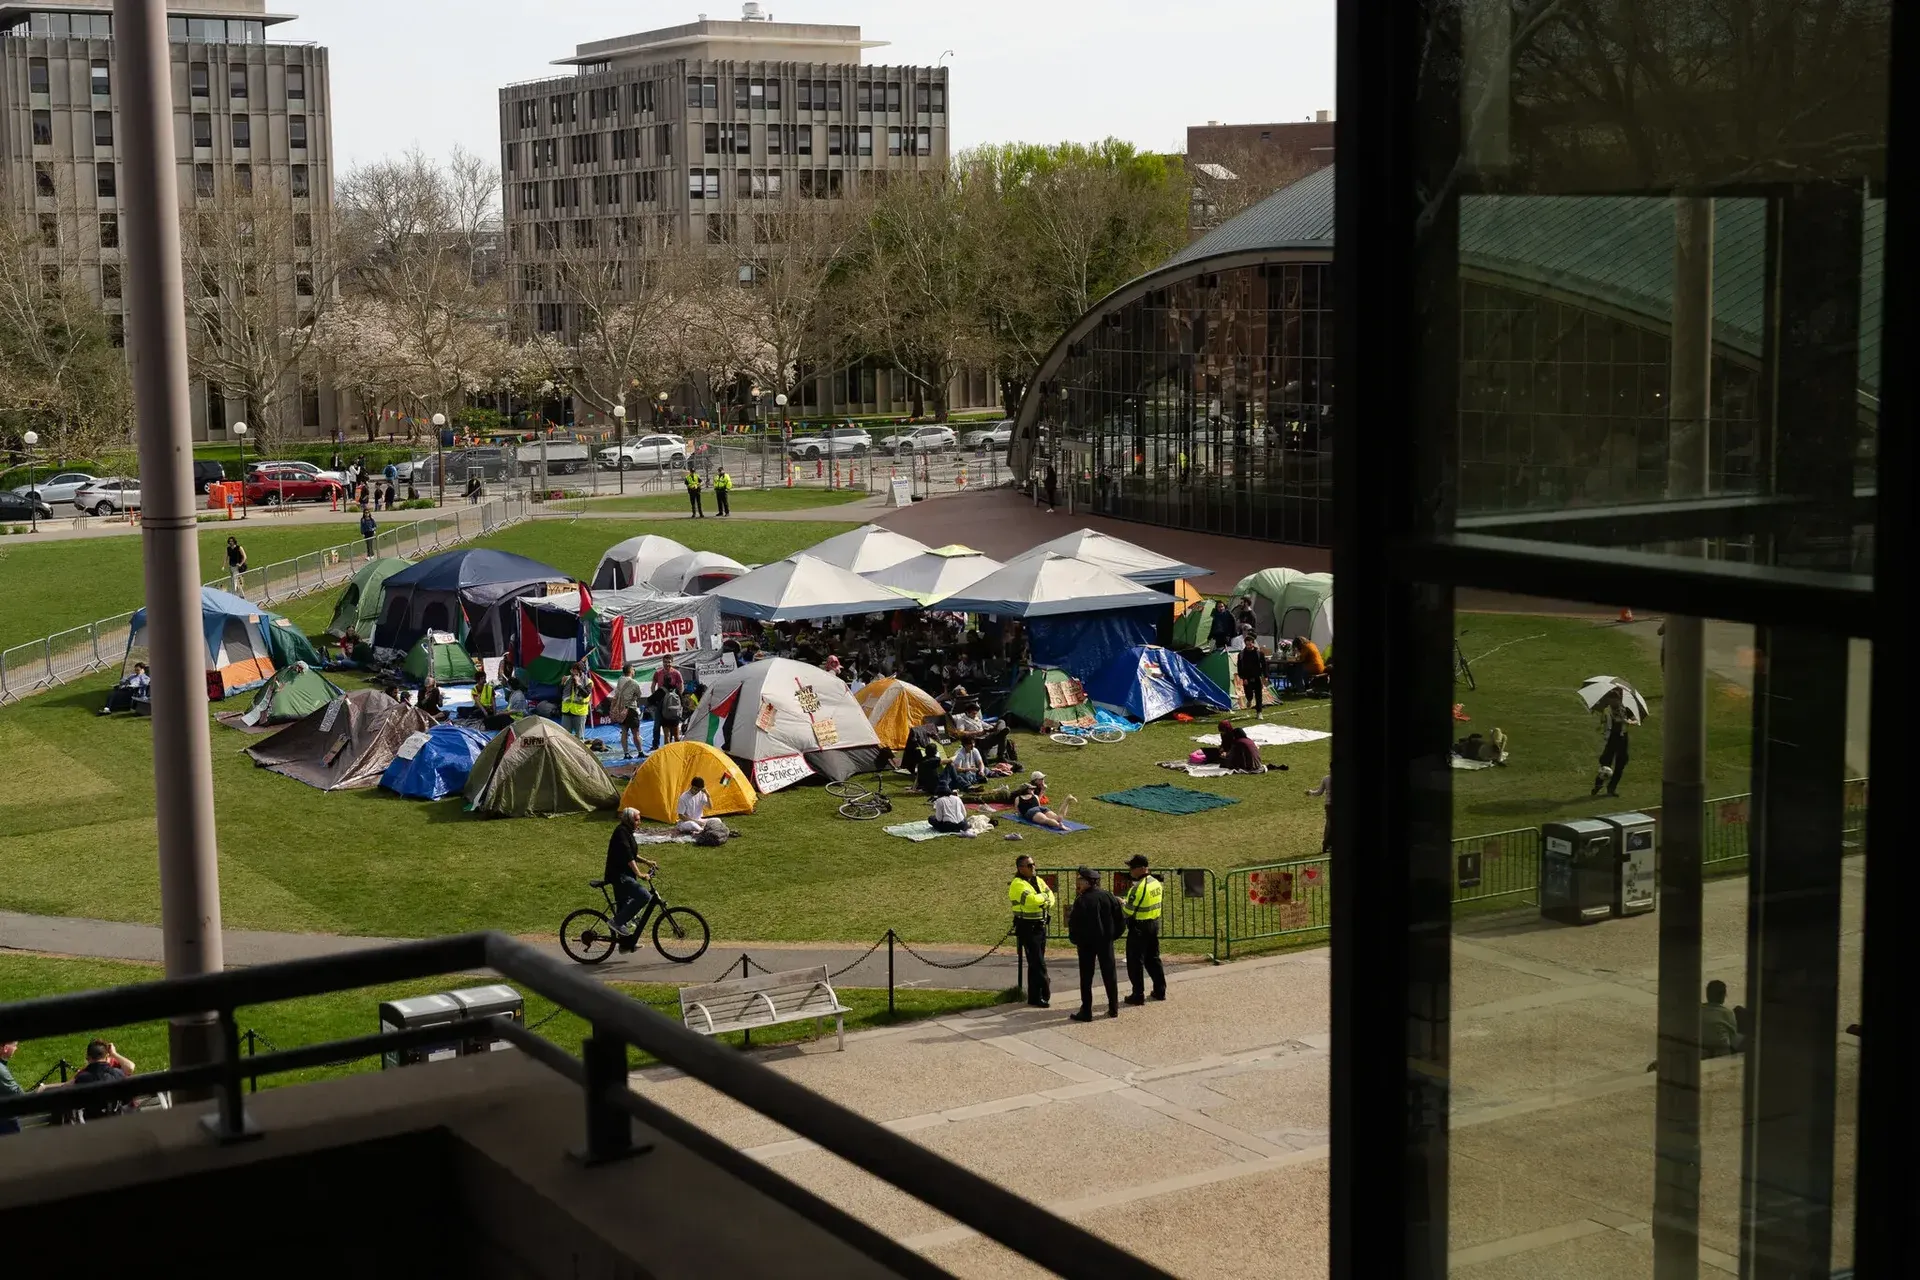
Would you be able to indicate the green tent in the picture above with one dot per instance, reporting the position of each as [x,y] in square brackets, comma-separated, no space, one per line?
[288,644]
[1047,696]
[359,604]
[291,693]
[536,767]
[1288,603]
[448,657]
[1219,668]
[1192,629]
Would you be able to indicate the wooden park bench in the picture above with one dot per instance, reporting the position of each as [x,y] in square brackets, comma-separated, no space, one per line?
[766,1000]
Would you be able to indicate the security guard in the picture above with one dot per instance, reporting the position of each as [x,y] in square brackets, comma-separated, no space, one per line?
[692,481]
[1032,901]
[722,489]
[1142,909]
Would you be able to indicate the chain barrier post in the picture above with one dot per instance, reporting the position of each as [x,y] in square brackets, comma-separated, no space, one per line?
[890,1009]
[746,1033]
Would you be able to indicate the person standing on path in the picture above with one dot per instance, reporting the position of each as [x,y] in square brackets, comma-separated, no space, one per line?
[692,481]
[236,564]
[627,697]
[1033,904]
[576,699]
[368,527]
[722,493]
[1093,922]
[1142,911]
[1614,719]
[1251,667]
[1325,790]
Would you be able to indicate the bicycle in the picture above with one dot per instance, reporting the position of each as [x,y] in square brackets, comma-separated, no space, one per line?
[862,805]
[1068,738]
[679,933]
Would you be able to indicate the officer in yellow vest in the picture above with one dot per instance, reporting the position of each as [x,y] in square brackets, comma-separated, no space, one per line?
[1032,900]
[483,696]
[692,481]
[1141,907]
[722,488]
[576,703]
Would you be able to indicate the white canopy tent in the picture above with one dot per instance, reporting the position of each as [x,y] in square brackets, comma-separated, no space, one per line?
[933,574]
[1047,584]
[801,588]
[1116,556]
[866,549]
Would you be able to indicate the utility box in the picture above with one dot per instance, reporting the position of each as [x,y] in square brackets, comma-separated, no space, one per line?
[1577,870]
[1633,859]
[486,1002]
[421,1011]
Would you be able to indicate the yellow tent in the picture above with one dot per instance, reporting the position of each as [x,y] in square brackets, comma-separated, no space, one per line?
[1184,596]
[894,708]
[658,782]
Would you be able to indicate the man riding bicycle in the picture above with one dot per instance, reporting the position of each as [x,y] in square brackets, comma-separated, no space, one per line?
[631,894]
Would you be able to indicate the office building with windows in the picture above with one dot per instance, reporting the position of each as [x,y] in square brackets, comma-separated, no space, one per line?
[251,119]
[675,136]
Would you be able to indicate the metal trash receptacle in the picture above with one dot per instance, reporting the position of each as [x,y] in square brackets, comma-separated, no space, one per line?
[485,1002]
[1576,870]
[1634,855]
[421,1011]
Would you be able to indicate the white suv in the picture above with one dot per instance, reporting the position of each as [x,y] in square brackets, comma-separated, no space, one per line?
[839,442]
[922,440]
[999,435]
[648,451]
[108,497]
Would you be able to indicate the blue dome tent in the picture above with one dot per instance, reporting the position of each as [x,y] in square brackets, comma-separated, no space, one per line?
[1147,682]
[239,654]
[435,763]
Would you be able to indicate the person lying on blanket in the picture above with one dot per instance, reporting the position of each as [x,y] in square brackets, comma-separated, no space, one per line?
[1031,802]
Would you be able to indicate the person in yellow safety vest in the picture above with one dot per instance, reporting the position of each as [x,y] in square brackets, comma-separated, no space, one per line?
[576,699]
[1032,900]
[722,490]
[1141,907]
[483,697]
[692,481]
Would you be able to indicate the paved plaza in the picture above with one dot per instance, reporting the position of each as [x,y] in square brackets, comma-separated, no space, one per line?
[1195,1132]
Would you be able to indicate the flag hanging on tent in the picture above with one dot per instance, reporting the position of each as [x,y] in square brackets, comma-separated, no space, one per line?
[720,720]
[551,641]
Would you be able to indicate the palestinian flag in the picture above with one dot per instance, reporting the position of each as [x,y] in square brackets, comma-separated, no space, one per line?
[720,719]
[550,642]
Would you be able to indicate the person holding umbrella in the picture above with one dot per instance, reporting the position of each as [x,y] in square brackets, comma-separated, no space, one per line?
[1619,705]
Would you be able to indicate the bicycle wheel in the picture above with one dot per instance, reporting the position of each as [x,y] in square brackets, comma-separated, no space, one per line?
[680,934]
[866,809]
[1109,735]
[851,789]
[1068,739]
[587,936]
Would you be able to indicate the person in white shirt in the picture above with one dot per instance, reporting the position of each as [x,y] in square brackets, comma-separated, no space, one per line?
[949,814]
[692,809]
[968,768]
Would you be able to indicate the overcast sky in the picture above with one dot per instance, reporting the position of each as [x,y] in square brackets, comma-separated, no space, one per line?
[427,72]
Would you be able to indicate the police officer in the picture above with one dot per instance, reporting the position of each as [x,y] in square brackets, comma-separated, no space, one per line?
[1032,901]
[722,491]
[692,481]
[1093,922]
[1142,909]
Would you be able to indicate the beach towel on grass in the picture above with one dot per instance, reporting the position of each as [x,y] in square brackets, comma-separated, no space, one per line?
[1461,762]
[923,829]
[1193,770]
[1071,826]
[1270,735]
[1164,797]
[660,837]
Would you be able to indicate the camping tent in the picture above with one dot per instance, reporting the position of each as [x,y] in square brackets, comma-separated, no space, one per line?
[1289,603]
[695,573]
[434,763]
[287,643]
[343,745]
[784,720]
[1220,668]
[239,656]
[462,592]
[1147,682]
[866,549]
[1045,697]
[441,656]
[659,781]
[895,707]
[1193,629]
[536,767]
[931,575]
[629,563]
[359,604]
[642,626]
[292,692]
[1049,584]
[1116,556]
[801,587]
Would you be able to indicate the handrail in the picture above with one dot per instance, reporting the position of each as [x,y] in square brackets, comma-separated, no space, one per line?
[618,1022]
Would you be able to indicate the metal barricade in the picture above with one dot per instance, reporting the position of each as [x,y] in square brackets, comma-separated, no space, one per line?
[1496,865]
[1275,900]
[1188,901]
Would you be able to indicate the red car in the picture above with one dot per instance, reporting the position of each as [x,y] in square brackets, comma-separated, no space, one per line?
[268,488]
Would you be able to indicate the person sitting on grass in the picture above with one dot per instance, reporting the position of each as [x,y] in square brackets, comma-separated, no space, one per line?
[949,814]
[692,808]
[137,687]
[1240,752]
[967,768]
[1031,803]
[430,700]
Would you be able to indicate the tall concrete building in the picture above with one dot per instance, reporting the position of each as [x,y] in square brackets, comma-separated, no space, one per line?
[673,136]
[250,116]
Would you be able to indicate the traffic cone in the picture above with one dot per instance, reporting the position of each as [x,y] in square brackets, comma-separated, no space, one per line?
[1626,615]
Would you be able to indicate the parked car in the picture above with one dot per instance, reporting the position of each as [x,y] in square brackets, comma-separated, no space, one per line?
[59,487]
[107,497]
[21,506]
[921,440]
[269,487]
[206,473]
[318,473]
[491,461]
[647,451]
[997,436]
[834,441]
[561,457]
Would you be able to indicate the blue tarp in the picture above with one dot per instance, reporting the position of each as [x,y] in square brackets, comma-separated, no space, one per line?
[440,766]
[1082,644]
[1148,682]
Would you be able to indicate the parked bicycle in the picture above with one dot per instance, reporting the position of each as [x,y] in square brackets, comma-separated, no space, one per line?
[862,803]
[679,933]
[1073,738]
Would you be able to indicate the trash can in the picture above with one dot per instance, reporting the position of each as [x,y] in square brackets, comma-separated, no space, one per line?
[1576,871]
[485,1002]
[421,1011]
[1633,862]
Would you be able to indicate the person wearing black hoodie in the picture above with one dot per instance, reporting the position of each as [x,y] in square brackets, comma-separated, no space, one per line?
[1093,922]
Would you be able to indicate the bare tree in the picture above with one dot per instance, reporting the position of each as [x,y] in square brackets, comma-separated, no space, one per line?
[626,310]
[1230,179]
[796,253]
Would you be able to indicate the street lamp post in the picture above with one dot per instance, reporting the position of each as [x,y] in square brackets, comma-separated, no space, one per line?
[31,439]
[780,402]
[240,434]
[620,443]
[439,459]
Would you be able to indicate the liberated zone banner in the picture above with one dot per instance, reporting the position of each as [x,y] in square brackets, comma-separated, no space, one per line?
[660,638]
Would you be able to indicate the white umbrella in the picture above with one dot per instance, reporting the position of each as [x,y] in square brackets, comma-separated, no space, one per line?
[1597,687]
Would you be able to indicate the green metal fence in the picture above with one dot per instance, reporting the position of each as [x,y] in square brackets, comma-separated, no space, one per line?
[1275,900]
[1188,901]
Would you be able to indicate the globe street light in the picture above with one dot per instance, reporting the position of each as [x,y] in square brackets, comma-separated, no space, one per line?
[619,445]
[31,439]
[439,459]
[240,433]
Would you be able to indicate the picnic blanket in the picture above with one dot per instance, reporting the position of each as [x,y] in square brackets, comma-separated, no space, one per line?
[1164,797]
[1461,762]
[1270,735]
[923,829]
[660,837]
[1193,770]
[1070,825]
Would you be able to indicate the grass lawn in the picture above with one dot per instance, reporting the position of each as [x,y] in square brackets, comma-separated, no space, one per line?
[744,500]
[50,586]
[291,1023]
